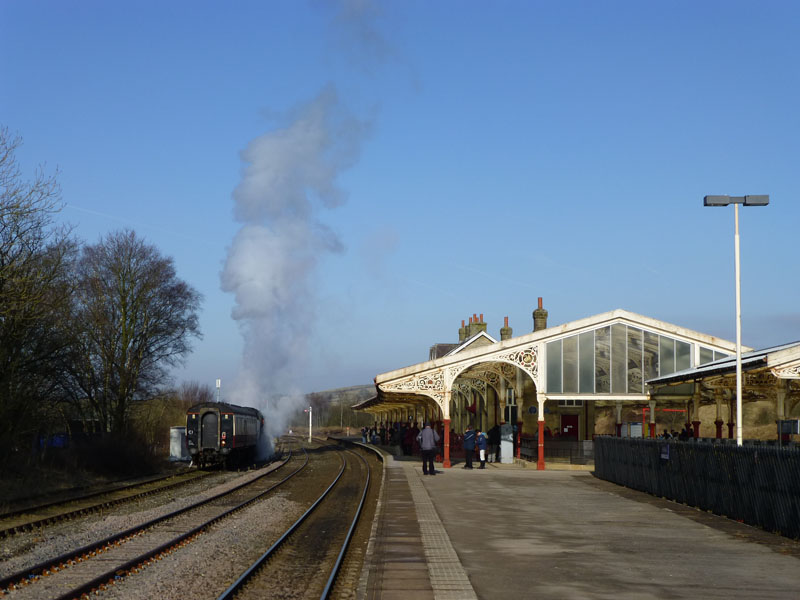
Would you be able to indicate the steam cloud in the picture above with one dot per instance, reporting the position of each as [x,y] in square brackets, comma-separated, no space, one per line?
[288,174]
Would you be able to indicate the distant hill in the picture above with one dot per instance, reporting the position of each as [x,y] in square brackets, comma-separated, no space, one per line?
[346,395]
[332,408]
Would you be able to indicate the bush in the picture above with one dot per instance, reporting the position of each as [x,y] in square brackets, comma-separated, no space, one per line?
[116,456]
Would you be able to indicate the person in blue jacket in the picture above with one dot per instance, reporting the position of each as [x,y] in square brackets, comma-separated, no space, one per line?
[469,446]
[481,441]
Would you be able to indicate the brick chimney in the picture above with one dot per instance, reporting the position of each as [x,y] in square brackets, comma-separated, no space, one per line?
[505,331]
[462,332]
[476,324]
[539,317]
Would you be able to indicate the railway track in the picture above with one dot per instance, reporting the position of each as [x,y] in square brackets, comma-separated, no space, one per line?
[159,559]
[306,560]
[10,508]
[93,567]
[32,517]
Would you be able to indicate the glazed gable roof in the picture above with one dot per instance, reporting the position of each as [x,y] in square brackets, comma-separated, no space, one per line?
[554,333]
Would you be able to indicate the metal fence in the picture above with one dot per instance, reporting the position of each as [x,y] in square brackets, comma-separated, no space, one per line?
[757,485]
[576,452]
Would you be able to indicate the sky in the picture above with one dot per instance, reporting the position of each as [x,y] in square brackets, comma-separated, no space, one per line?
[346,181]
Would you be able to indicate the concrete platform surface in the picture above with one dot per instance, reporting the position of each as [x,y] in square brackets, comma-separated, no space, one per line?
[522,533]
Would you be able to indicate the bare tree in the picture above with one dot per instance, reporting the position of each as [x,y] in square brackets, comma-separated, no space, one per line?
[192,392]
[132,319]
[35,261]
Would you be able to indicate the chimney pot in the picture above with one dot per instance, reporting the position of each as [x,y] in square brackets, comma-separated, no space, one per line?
[539,317]
[481,321]
[506,321]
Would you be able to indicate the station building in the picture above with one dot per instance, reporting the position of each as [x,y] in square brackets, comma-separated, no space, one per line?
[551,382]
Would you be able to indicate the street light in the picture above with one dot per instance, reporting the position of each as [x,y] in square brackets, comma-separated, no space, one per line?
[308,410]
[761,200]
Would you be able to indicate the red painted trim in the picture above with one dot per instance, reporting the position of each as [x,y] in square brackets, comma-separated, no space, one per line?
[540,449]
[446,462]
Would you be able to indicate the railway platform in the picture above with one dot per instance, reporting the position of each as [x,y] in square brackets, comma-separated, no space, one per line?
[510,531]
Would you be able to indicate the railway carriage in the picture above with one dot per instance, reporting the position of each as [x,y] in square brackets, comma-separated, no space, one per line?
[217,432]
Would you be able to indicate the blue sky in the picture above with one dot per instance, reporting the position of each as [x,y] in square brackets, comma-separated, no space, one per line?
[472,157]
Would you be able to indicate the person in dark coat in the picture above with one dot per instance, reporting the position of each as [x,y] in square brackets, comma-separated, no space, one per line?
[481,442]
[414,442]
[494,443]
[428,439]
[404,439]
[469,446]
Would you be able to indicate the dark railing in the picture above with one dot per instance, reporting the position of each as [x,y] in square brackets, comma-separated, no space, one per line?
[758,485]
[577,452]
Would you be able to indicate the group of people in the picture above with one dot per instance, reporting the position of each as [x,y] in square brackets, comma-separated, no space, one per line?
[401,434]
[425,441]
[473,438]
[687,433]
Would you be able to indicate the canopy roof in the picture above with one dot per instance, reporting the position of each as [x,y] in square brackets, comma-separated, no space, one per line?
[772,357]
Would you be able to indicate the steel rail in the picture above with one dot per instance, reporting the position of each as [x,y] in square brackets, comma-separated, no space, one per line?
[31,525]
[64,560]
[340,558]
[110,577]
[65,498]
[250,572]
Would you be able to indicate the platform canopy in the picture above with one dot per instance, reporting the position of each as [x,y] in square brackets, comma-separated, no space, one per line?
[606,357]
[766,372]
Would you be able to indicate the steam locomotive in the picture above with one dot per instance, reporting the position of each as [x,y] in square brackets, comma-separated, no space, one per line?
[221,433]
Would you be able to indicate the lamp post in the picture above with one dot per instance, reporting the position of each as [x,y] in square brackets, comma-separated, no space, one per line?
[308,410]
[762,200]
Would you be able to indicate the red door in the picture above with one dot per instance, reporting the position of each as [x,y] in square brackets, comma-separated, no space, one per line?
[569,427]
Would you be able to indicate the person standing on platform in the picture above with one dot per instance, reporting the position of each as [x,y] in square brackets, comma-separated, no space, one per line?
[494,443]
[481,441]
[469,446]
[404,442]
[428,439]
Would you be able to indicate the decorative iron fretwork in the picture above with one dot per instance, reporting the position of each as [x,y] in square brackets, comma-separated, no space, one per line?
[495,371]
[466,385]
[790,372]
[423,382]
[492,378]
[762,379]
[526,359]
[462,387]
[454,371]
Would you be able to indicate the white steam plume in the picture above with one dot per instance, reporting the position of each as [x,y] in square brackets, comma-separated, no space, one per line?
[288,174]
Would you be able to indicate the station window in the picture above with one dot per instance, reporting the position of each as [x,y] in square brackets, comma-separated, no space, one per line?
[510,398]
[570,402]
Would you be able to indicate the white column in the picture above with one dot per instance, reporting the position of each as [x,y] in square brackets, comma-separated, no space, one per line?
[501,402]
[780,398]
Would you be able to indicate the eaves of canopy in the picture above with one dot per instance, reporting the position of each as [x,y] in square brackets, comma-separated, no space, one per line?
[383,402]
[762,371]
[435,380]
